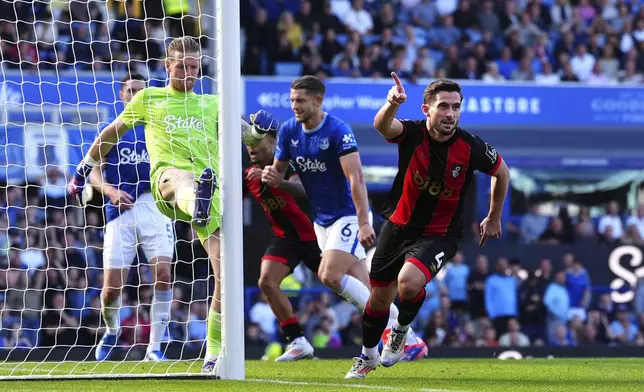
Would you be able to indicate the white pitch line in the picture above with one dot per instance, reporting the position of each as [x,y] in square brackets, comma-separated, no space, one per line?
[348,385]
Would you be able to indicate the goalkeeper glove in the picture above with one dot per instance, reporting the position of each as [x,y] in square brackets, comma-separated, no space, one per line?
[77,183]
[263,122]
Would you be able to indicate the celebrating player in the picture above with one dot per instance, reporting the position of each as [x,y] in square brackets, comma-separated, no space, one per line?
[436,162]
[132,217]
[324,153]
[181,136]
[294,241]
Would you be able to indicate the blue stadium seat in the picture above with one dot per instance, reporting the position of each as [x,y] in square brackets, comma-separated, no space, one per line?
[288,69]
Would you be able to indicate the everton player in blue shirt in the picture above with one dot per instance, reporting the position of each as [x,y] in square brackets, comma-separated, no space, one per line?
[324,153]
[132,218]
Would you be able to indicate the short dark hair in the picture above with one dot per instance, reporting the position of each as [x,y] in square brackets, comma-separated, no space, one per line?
[311,84]
[439,85]
[131,76]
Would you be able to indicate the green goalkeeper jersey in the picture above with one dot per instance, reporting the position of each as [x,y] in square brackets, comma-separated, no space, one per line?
[180,128]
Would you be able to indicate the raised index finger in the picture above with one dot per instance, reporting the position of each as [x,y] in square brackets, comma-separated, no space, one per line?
[397,82]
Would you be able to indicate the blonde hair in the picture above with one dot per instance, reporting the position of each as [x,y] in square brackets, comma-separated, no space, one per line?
[183,45]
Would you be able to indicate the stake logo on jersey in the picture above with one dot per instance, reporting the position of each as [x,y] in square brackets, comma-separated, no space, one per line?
[184,123]
[128,168]
[315,156]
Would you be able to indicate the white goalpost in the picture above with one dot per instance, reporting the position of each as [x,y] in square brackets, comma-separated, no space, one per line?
[57,86]
[229,86]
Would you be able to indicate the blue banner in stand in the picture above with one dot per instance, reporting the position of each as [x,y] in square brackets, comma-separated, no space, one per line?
[33,103]
[70,89]
[485,106]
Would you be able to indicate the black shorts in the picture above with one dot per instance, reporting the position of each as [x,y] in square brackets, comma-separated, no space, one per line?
[397,246]
[291,252]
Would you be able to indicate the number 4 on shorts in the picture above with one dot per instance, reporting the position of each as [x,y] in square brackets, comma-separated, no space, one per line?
[439,260]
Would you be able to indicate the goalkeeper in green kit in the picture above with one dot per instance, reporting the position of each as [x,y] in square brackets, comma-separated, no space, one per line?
[182,139]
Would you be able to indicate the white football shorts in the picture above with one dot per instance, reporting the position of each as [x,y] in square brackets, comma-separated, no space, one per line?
[145,226]
[342,235]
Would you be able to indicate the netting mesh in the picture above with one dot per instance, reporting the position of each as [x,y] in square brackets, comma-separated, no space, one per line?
[62,65]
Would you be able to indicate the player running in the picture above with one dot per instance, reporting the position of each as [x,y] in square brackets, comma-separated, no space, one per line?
[436,162]
[293,241]
[324,153]
[132,218]
[182,139]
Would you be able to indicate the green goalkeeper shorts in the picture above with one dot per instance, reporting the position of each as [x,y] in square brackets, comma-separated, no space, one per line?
[214,223]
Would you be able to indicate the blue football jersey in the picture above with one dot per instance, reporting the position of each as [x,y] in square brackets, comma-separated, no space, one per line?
[315,156]
[127,168]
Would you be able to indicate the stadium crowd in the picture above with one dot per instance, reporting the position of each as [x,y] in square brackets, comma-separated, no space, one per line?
[545,41]
[50,256]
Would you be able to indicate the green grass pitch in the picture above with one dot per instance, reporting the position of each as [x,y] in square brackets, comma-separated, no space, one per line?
[429,375]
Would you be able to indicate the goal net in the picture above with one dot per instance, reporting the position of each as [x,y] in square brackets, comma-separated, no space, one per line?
[61,82]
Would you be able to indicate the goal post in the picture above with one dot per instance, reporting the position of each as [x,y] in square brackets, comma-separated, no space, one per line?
[228,88]
[50,110]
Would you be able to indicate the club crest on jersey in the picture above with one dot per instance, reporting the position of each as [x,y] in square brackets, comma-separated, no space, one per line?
[456,171]
[324,143]
[491,152]
[294,142]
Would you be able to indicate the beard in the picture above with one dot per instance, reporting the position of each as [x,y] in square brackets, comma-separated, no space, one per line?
[444,127]
[303,117]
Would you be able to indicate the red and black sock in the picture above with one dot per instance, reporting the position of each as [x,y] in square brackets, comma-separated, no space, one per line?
[408,309]
[373,325]
[291,329]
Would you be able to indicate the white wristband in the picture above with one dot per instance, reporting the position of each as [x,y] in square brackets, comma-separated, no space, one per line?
[256,134]
[90,161]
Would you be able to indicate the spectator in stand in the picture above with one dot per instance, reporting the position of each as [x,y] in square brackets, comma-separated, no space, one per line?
[556,233]
[579,290]
[557,302]
[59,324]
[638,301]
[424,15]
[357,18]
[514,337]
[476,288]
[613,221]
[584,226]
[455,281]
[622,331]
[532,309]
[637,220]
[532,225]
[501,297]
[561,337]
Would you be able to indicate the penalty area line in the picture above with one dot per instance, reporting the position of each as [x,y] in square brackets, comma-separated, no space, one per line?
[349,385]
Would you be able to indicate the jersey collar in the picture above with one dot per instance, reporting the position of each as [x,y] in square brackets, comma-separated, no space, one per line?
[312,131]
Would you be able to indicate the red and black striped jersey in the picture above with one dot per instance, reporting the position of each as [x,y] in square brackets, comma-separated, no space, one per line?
[288,219]
[433,178]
